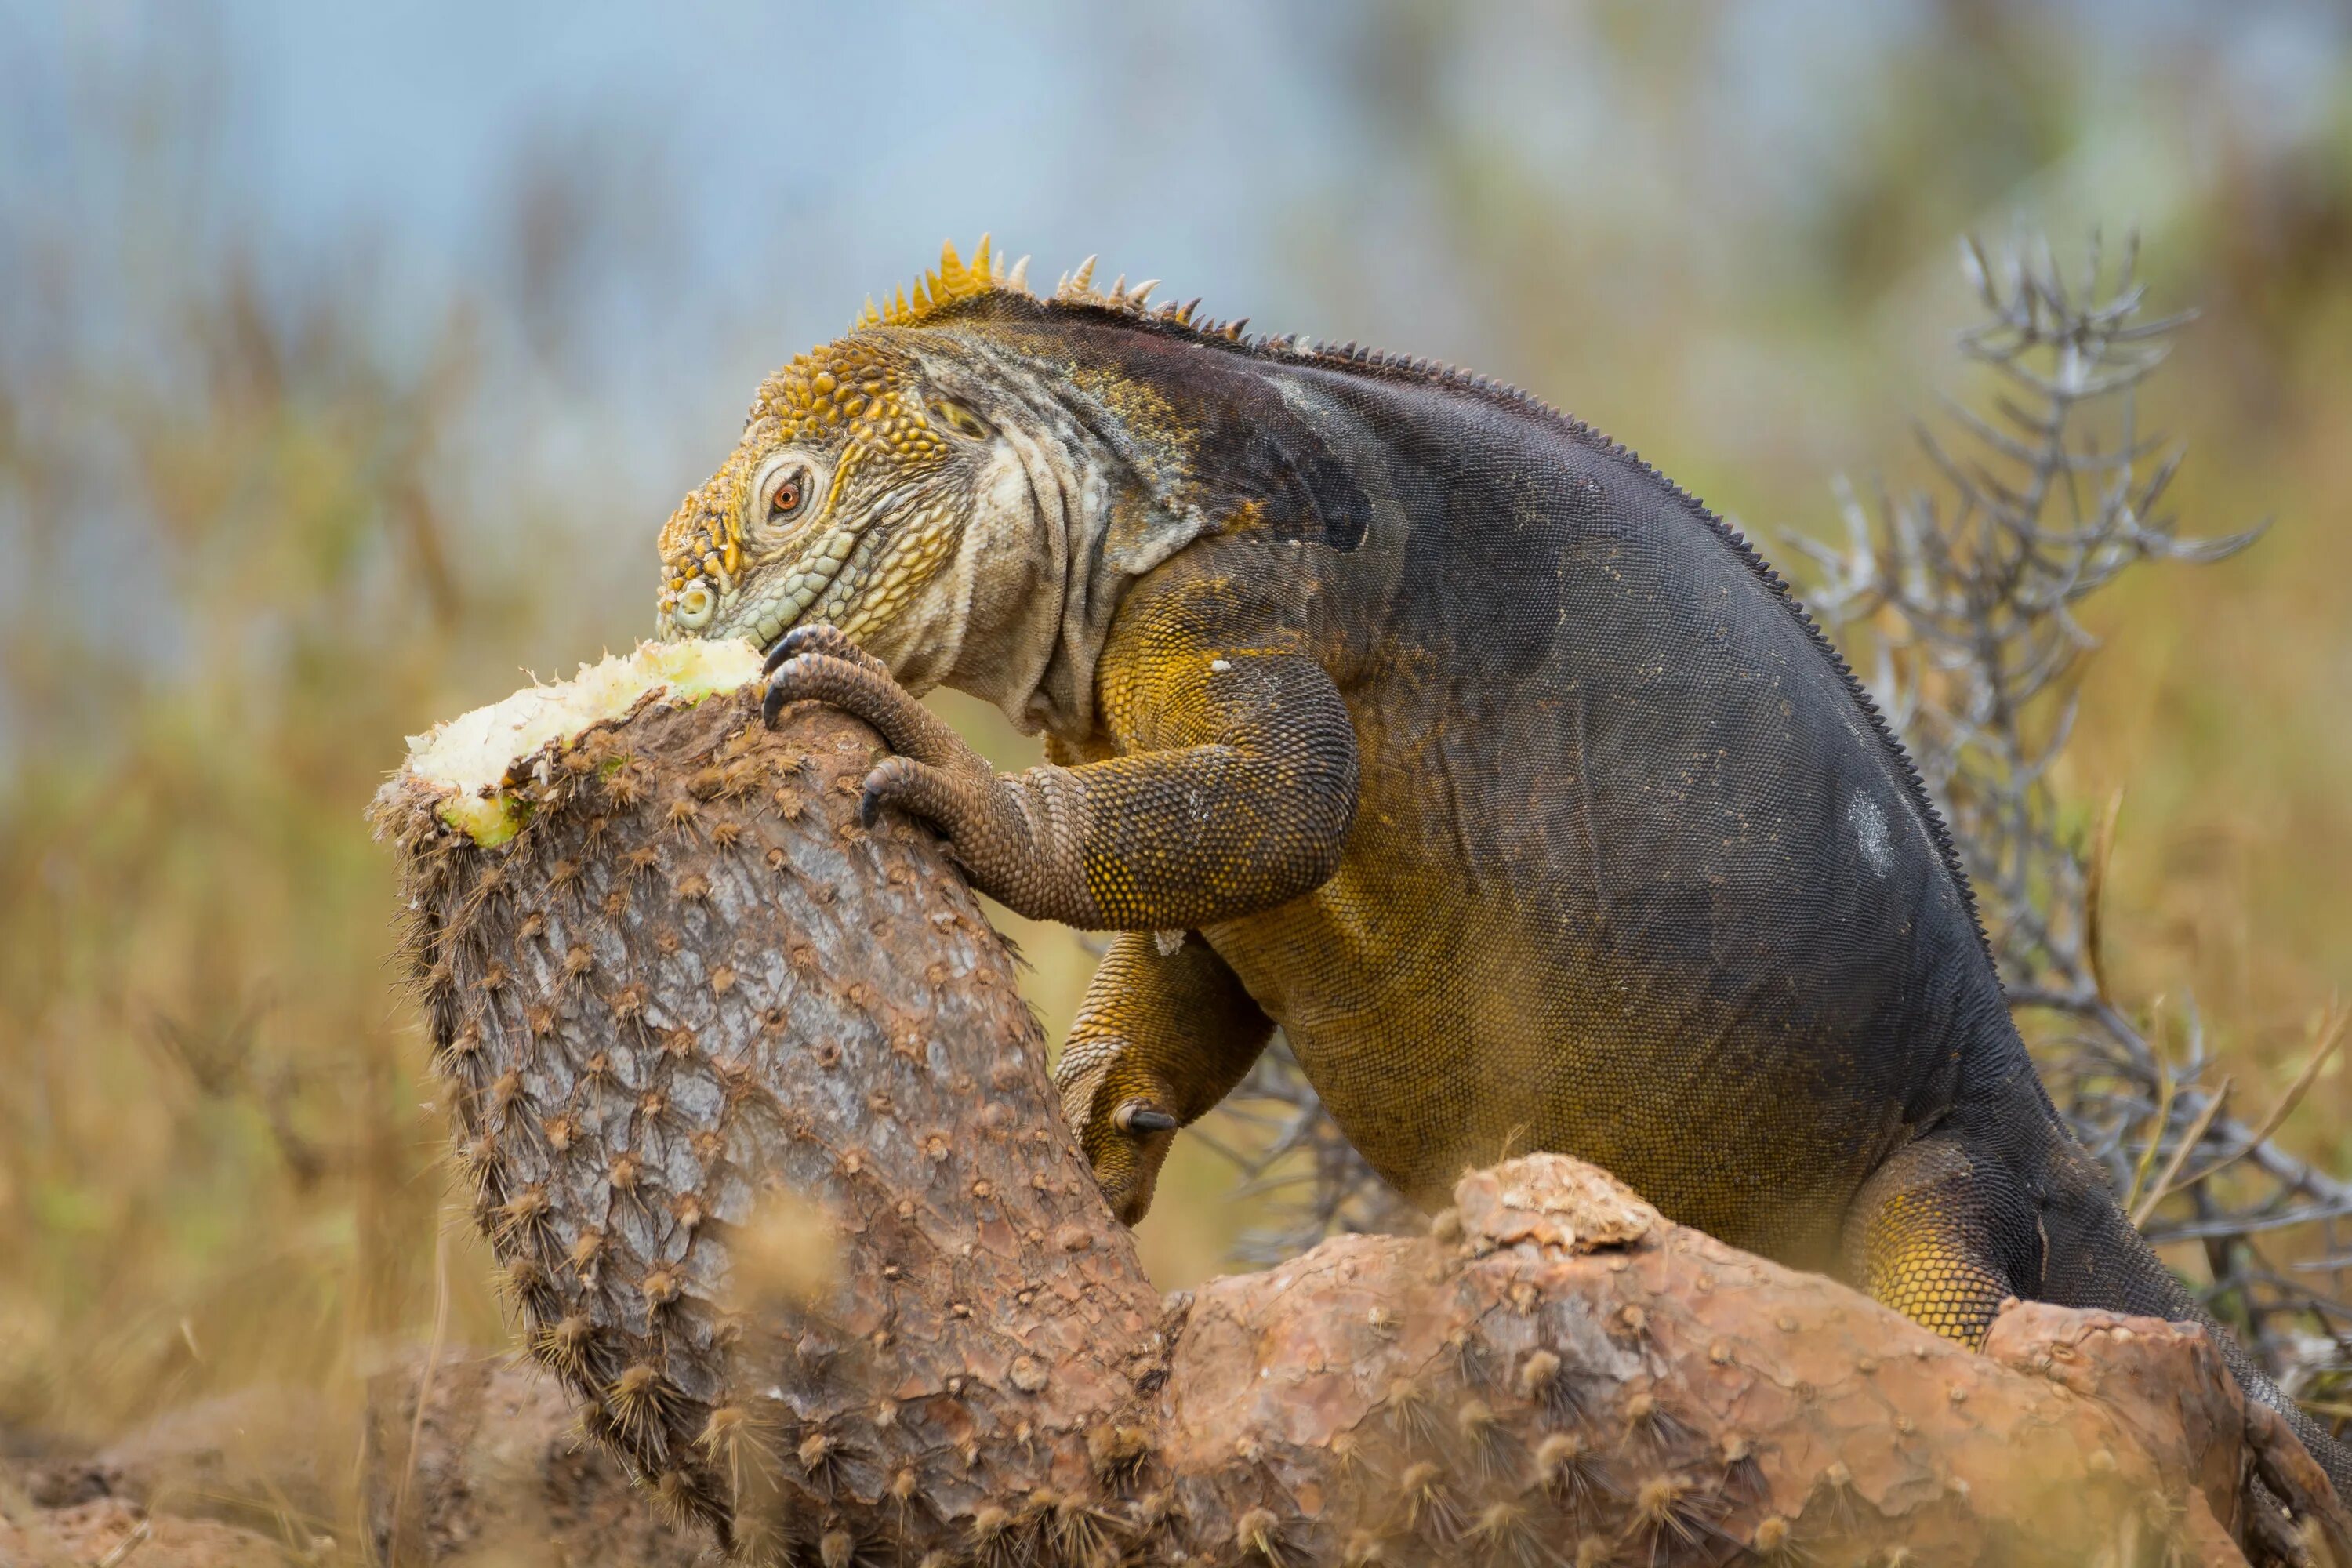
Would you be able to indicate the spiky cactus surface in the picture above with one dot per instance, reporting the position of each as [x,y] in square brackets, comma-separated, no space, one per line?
[690,1005]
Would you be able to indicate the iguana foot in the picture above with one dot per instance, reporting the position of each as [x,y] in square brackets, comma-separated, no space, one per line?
[1921,1237]
[1020,839]
[826,667]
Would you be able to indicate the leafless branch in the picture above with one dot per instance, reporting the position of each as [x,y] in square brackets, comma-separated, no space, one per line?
[1958,607]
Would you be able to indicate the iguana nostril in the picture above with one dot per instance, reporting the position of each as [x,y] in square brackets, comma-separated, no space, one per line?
[695,605]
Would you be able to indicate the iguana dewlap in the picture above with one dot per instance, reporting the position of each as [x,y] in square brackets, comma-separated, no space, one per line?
[1392,707]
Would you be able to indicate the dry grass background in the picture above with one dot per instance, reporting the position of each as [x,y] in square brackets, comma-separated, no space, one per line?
[253,527]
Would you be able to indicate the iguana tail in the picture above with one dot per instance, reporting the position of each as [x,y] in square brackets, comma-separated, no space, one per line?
[2097,1257]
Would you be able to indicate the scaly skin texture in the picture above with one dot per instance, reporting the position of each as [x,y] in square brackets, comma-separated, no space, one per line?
[1393,707]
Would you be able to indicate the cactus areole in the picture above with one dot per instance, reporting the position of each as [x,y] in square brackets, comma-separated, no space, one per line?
[748,1102]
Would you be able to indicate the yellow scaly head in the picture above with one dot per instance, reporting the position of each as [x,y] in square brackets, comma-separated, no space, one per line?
[965,480]
[853,483]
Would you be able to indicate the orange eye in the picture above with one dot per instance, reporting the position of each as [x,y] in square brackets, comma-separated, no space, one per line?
[791,492]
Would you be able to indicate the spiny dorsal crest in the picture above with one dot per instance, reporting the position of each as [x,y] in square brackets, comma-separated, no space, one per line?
[954,279]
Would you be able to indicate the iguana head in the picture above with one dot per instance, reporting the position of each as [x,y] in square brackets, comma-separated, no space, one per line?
[863,468]
[963,483]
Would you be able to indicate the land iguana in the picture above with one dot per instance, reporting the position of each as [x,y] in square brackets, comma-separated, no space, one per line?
[1389,706]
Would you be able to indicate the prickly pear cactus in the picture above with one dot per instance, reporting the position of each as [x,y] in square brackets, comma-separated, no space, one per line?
[690,1014]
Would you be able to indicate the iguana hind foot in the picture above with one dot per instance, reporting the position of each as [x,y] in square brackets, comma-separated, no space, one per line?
[1919,1238]
[1162,1037]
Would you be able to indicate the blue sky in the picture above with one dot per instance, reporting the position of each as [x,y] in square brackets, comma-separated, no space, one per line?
[732,179]
[770,165]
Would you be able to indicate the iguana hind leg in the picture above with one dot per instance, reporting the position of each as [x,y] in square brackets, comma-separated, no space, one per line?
[1162,1037]
[1923,1236]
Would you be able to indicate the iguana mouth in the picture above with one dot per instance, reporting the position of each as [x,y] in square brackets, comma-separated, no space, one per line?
[808,582]
[827,578]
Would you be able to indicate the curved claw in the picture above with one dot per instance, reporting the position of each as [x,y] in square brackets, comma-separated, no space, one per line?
[772,701]
[863,687]
[907,784]
[815,637]
[870,799]
[791,645]
[1140,1116]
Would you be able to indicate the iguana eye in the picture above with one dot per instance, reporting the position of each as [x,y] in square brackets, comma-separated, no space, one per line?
[787,493]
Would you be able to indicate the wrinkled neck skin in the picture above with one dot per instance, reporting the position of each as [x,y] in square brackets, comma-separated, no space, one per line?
[1063,518]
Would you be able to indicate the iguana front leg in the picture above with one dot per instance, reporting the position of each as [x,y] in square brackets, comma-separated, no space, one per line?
[1163,1035]
[1235,792]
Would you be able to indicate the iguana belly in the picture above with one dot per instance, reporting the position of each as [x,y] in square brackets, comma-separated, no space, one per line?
[1450,1018]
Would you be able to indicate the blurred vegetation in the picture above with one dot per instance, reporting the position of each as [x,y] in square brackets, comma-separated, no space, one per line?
[264,506]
